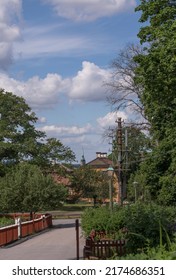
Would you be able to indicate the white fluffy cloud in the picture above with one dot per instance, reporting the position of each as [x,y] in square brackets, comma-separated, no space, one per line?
[67,131]
[9,9]
[110,119]
[10,14]
[41,93]
[87,85]
[88,10]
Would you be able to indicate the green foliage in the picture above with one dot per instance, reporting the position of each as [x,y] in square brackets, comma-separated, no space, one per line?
[138,147]
[155,74]
[18,136]
[167,193]
[160,252]
[6,221]
[142,191]
[155,253]
[88,183]
[95,218]
[20,141]
[25,188]
[157,173]
[156,68]
[143,222]
[52,151]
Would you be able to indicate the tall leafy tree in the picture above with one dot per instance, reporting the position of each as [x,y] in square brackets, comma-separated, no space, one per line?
[157,67]
[21,141]
[18,136]
[156,75]
[51,152]
[88,183]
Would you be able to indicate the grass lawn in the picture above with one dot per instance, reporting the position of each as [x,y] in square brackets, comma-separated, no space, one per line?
[69,210]
[75,207]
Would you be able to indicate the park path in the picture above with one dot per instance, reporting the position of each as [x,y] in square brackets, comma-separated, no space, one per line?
[57,243]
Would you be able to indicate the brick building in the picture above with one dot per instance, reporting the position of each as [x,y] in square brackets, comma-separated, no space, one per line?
[101,163]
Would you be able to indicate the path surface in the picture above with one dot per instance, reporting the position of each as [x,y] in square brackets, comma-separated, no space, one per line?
[58,243]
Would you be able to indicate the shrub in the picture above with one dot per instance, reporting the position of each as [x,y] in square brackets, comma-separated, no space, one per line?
[95,218]
[25,188]
[144,224]
[158,253]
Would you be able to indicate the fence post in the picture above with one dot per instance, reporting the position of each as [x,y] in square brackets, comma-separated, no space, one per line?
[77,238]
[43,222]
[18,222]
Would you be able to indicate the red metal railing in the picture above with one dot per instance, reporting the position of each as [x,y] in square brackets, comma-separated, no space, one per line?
[8,234]
[12,233]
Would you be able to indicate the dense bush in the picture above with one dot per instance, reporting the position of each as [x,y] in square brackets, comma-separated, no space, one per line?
[101,219]
[147,225]
[158,253]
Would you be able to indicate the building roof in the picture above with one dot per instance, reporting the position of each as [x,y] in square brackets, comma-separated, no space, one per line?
[100,162]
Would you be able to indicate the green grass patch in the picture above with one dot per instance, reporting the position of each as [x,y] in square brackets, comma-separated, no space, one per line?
[75,207]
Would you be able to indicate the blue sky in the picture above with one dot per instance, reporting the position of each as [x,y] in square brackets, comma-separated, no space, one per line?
[57,54]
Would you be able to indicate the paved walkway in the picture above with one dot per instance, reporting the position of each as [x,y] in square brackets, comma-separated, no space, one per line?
[57,243]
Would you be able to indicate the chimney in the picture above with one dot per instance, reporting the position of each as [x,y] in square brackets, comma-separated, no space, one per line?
[101,155]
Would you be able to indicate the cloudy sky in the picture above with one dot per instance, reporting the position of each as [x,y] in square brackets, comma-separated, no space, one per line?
[57,54]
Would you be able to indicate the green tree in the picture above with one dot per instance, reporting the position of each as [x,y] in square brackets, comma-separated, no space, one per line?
[155,74]
[52,152]
[159,172]
[135,146]
[26,188]
[21,141]
[88,183]
[157,67]
[18,136]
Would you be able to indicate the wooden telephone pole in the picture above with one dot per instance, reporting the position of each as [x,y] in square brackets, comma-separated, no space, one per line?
[119,143]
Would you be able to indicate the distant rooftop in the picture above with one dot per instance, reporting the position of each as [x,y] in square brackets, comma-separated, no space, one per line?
[101,161]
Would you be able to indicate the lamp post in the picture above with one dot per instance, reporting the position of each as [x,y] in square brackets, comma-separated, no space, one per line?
[135,184]
[110,172]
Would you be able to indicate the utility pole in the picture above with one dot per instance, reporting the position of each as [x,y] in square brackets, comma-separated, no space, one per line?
[125,168]
[119,143]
